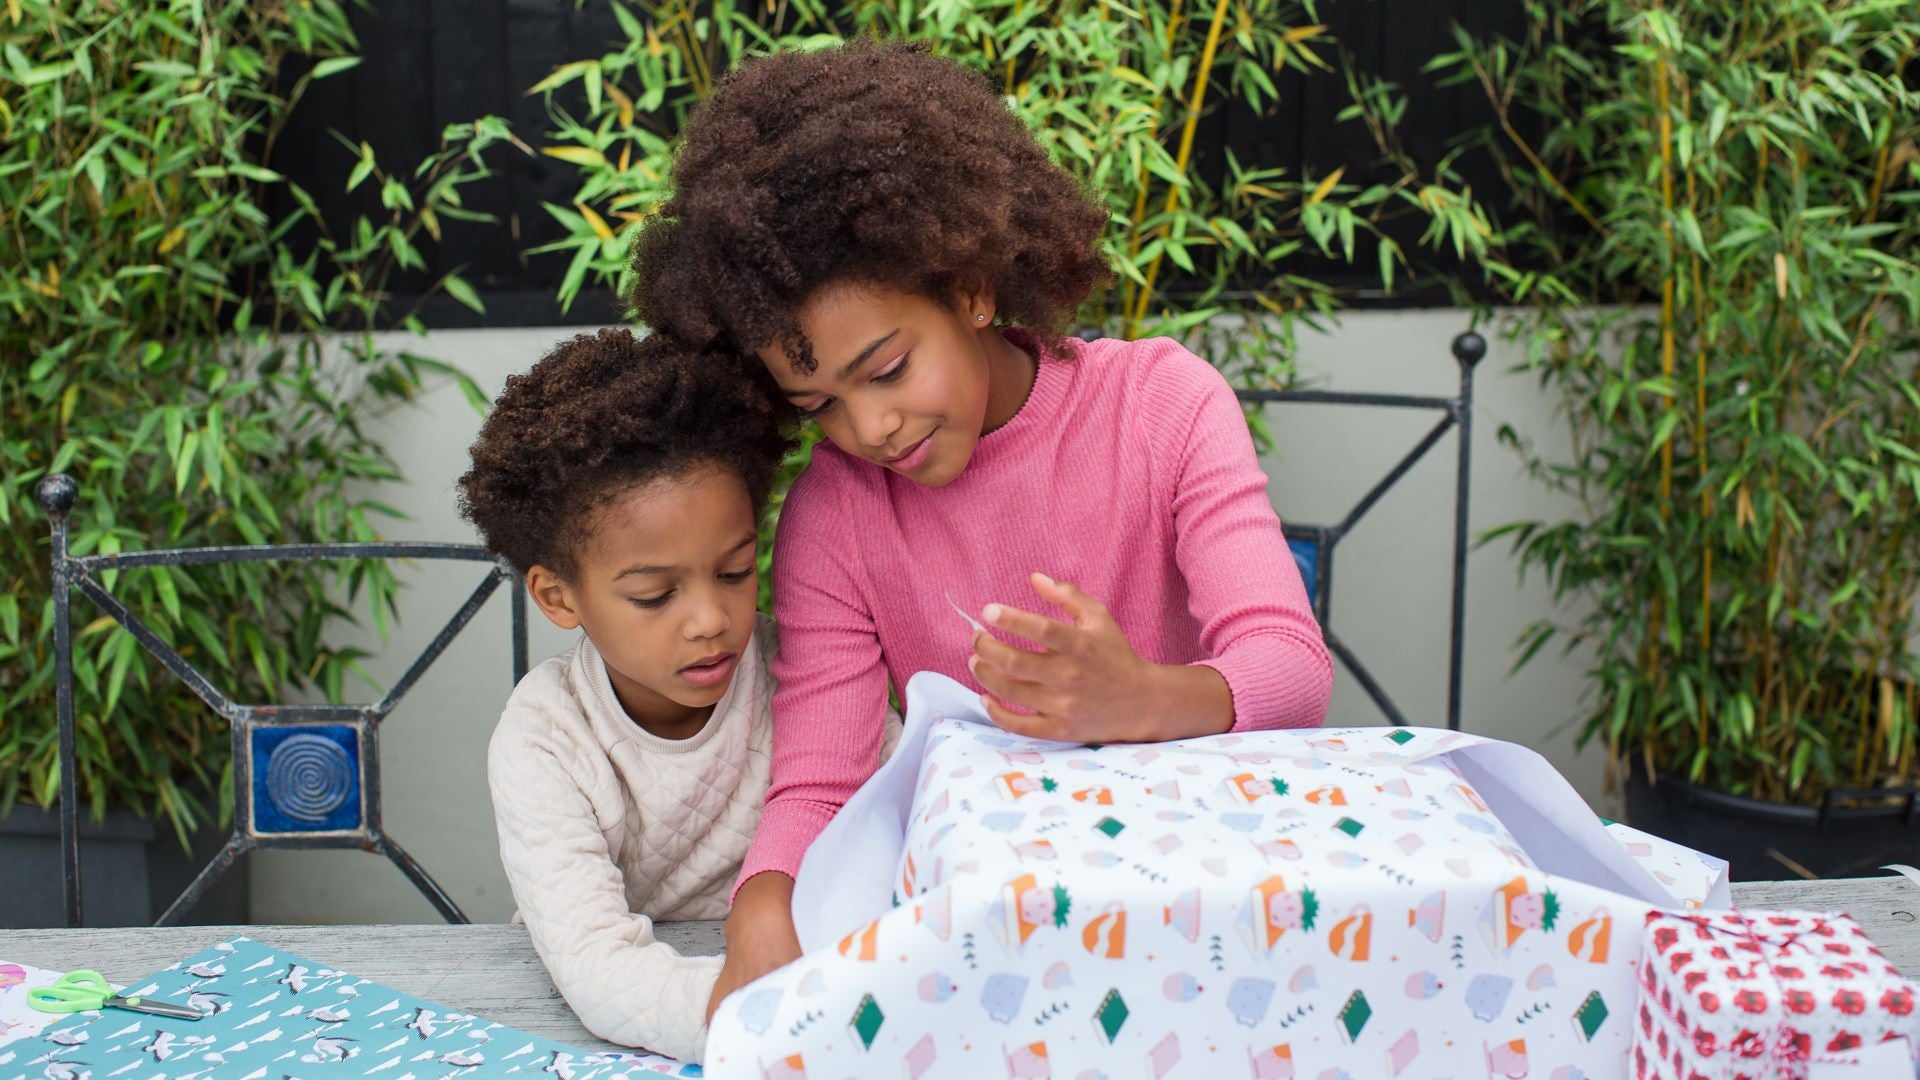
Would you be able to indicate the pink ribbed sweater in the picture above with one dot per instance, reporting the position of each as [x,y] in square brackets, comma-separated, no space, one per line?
[1128,472]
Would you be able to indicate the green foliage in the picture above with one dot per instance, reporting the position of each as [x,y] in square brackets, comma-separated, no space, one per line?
[1114,92]
[162,342]
[1715,237]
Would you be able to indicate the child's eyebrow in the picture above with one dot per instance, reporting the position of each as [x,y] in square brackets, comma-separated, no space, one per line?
[745,541]
[867,353]
[645,570]
[852,365]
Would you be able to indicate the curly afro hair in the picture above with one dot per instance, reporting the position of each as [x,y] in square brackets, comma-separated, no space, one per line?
[599,415]
[869,163]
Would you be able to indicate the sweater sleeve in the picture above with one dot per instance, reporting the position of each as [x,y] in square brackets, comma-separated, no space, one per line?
[626,987]
[830,704]
[1243,587]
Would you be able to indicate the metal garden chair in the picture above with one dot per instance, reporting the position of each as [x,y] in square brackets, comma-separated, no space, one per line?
[304,776]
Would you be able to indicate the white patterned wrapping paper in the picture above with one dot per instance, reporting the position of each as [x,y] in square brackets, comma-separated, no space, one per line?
[1319,904]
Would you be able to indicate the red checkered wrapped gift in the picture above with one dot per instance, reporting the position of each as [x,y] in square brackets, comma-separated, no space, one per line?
[1765,995]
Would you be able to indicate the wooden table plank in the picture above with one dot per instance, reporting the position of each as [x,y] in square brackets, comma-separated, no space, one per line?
[1886,908]
[491,970]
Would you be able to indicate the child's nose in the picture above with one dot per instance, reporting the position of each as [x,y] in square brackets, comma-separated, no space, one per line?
[873,427]
[709,618]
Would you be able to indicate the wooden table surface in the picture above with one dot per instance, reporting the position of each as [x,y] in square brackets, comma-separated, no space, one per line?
[491,970]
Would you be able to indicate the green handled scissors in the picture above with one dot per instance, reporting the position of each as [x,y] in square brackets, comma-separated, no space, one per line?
[87,991]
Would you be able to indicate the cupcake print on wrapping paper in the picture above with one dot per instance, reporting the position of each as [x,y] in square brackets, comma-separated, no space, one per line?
[1233,906]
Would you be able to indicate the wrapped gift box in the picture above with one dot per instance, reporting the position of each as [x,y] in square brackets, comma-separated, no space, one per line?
[1366,903]
[1767,996]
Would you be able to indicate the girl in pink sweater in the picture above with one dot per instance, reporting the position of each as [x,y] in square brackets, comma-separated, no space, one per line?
[886,236]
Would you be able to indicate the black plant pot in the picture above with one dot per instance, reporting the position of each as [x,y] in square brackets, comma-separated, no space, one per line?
[1850,838]
[130,871]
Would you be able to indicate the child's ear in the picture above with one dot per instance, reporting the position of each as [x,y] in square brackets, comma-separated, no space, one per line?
[551,596]
[977,305]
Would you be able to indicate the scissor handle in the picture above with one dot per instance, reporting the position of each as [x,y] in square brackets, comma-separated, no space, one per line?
[76,991]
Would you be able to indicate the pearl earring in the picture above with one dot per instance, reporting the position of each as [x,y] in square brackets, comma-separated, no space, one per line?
[979,318]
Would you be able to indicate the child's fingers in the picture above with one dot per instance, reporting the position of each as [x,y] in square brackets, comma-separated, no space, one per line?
[1033,725]
[1027,695]
[1017,662]
[1052,633]
[1067,597]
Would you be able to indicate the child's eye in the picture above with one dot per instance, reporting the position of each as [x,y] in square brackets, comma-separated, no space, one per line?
[737,576]
[893,373]
[652,601]
[817,409]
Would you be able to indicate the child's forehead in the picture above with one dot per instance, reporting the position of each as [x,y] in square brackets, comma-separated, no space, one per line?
[701,514]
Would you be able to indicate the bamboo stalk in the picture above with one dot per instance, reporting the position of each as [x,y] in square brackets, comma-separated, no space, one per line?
[1655,670]
[1142,180]
[1702,447]
[1666,279]
[1200,79]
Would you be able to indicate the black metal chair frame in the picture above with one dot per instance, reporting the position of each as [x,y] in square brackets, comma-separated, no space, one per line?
[307,729]
[1314,547]
[1322,540]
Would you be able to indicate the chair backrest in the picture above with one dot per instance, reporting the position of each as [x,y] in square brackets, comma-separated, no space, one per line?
[304,776]
[1313,546]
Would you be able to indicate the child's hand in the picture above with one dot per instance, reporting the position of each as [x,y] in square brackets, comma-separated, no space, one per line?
[1087,684]
[760,934]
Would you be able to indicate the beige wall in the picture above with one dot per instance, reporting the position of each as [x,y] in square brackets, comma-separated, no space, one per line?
[1391,596]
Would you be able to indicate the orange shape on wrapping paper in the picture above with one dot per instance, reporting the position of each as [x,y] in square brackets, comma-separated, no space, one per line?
[936,913]
[1273,1063]
[1016,785]
[1471,798]
[787,1068]
[1184,915]
[1350,937]
[1263,932]
[1430,918]
[862,944]
[1028,1062]
[907,879]
[1098,796]
[1588,940]
[1329,795]
[1502,930]
[1106,933]
[1508,1059]
[1246,788]
[1027,905]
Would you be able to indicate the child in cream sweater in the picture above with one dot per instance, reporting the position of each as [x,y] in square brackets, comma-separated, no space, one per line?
[623,479]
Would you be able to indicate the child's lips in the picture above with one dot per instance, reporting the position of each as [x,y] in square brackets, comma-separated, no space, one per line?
[710,671]
[914,457]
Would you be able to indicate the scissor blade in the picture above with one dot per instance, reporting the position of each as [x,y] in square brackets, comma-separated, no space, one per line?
[156,1008]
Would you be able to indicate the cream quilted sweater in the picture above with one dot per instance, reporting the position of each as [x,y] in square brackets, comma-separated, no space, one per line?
[605,828]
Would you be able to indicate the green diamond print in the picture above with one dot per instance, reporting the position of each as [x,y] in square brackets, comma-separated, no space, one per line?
[1349,826]
[1354,1015]
[1109,826]
[1591,1014]
[866,1021]
[1111,1016]
[1401,737]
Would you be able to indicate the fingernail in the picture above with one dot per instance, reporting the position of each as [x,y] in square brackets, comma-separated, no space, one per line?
[1044,578]
[973,664]
[991,613]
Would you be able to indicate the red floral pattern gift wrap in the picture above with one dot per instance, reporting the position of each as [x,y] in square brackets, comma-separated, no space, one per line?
[1764,995]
